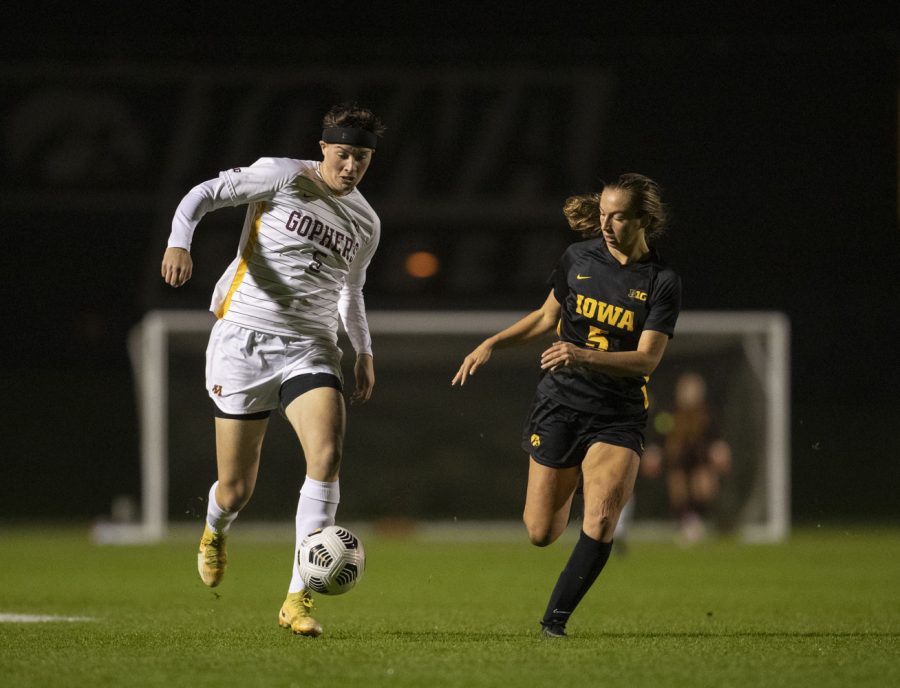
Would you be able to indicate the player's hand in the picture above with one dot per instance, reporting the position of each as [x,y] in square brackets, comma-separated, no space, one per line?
[364,374]
[561,354]
[177,266]
[472,362]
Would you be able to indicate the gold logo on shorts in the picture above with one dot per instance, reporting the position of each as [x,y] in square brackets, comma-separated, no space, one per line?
[217,390]
[535,441]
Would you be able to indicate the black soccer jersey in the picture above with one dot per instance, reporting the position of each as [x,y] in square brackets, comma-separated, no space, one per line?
[606,306]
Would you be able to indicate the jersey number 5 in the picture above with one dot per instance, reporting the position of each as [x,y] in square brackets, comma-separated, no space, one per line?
[315,264]
[596,339]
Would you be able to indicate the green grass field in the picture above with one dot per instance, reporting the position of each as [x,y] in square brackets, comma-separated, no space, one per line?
[820,610]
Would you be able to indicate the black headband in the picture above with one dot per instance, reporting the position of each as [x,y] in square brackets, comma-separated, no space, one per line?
[351,136]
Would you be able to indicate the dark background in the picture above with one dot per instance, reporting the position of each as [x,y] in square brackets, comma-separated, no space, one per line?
[774,136]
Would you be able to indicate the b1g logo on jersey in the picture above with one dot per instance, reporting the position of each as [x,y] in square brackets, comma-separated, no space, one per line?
[636,294]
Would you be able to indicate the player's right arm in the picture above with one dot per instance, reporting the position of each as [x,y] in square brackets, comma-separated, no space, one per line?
[533,325]
[177,266]
[236,186]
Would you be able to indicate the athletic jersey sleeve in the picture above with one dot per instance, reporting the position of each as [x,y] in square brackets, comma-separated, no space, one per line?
[351,303]
[236,186]
[665,304]
[559,278]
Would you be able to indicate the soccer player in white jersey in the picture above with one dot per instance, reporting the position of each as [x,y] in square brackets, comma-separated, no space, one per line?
[307,240]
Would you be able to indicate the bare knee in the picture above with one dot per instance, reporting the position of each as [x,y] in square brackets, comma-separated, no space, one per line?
[541,534]
[324,464]
[233,495]
[602,513]
[600,526]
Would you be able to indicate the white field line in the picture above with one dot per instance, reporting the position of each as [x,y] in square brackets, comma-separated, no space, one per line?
[41,618]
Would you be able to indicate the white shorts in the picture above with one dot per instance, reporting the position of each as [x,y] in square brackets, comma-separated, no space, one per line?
[245,368]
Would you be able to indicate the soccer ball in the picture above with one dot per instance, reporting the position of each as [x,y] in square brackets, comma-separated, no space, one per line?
[331,560]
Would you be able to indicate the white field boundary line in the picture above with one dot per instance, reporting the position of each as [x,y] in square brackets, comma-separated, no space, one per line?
[42,618]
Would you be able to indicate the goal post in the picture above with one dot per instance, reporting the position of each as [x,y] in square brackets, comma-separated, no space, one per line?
[765,340]
[459,441]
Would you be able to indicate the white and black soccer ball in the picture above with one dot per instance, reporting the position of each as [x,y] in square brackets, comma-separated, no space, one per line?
[331,560]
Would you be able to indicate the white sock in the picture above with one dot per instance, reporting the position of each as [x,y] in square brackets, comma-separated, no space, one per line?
[218,519]
[316,508]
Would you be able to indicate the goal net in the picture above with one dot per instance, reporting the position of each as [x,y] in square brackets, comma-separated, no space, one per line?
[423,451]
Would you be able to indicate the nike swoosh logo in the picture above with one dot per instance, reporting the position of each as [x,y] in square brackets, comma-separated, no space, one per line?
[582,276]
[560,611]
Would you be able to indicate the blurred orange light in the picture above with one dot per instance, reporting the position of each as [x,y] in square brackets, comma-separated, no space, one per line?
[422,264]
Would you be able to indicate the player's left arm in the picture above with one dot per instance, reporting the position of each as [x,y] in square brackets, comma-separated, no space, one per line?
[641,362]
[352,310]
[364,379]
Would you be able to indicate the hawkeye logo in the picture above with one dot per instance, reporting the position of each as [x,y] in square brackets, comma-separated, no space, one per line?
[639,295]
[604,312]
[535,441]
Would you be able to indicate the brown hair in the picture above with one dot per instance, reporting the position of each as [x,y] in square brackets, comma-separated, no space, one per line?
[646,198]
[353,116]
[583,214]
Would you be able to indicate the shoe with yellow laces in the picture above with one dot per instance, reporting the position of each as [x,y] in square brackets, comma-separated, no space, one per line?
[211,559]
[296,614]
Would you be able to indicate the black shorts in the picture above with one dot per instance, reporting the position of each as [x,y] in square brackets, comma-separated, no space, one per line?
[290,390]
[559,436]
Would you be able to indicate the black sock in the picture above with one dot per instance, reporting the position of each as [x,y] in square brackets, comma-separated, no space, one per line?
[585,563]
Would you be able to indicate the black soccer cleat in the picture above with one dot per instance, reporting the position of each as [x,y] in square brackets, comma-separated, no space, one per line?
[553,631]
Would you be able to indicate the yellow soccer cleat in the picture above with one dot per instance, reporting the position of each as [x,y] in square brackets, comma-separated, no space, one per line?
[295,614]
[211,559]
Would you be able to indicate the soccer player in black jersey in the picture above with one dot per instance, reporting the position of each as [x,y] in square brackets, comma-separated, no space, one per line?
[614,305]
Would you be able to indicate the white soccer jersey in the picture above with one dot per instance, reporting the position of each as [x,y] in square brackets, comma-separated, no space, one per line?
[303,251]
